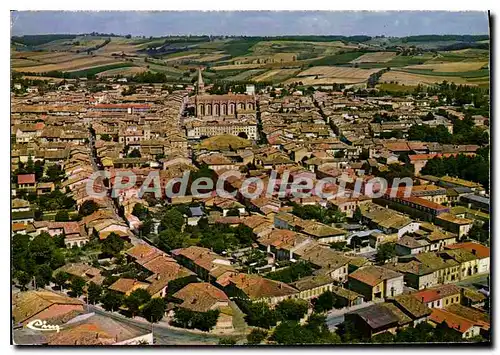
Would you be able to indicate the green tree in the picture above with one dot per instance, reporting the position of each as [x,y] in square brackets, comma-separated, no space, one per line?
[23,278]
[291,309]
[481,234]
[62,216]
[154,310]
[291,332]
[140,211]
[256,336]
[316,323]
[227,341]
[349,333]
[60,279]
[135,153]
[94,293]
[385,252]
[106,137]
[76,285]
[385,337]
[20,251]
[258,314]
[113,244]
[292,273]
[135,300]
[186,318]
[171,239]
[54,173]
[172,219]
[57,259]
[445,334]
[41,248]
[112,301]
[325,302]
[88,207]
[43,275]
[233,212]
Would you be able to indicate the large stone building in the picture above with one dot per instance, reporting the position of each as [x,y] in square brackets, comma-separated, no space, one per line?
[230,105]
[222,114]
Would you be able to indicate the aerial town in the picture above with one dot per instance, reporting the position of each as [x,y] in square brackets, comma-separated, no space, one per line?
[113,261]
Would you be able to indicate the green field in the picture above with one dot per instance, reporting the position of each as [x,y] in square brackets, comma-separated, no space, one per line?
[337,59]
[245,75]
[308,51]
[396,87]
[97,70]
[469,74]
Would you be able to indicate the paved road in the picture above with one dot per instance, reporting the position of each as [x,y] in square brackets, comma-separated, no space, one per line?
[111,206]
[163,335]
[334,321]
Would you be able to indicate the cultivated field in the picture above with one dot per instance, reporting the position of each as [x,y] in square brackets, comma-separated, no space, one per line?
[19,63]
[237,66]
[77,64]
[376,57]
[119,45]
[256,59]
[276,75]
[245,75]
[122,71]
[211,58]
[408,79]
[453,67]
[338,72]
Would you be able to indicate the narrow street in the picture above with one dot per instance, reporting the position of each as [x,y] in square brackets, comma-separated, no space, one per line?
[111,206]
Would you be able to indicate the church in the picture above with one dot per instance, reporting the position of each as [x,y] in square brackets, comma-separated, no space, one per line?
[215,106]
[233,114]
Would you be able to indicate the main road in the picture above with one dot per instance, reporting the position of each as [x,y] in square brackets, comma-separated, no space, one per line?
[162,335]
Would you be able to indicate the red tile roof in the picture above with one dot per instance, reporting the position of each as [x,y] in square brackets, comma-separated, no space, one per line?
[26,179]
[437,293]
[475,248]
[454,321]
[121,106]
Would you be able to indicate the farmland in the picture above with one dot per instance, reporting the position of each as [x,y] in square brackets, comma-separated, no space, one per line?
[312,60]
[450,67]
[70,65]
[376,57]
[124,71]
[406,78]
[245,75]
[276,75]
[330,75]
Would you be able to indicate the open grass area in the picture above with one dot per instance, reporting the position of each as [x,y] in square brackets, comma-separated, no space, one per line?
[245,75]
[396,87]
[343,58]
[98,69]
[375,57]
[71,65]
[239,47]
[466,74]
[453,67]
[409,78]
[125,71]
[276,75]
